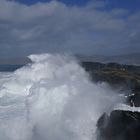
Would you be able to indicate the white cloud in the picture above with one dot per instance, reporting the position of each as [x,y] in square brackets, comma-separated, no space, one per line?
[54,27]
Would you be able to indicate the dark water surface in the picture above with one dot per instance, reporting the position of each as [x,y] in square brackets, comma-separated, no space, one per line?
[9,68]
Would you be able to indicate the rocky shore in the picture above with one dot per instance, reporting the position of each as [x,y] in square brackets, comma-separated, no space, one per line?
[123,123]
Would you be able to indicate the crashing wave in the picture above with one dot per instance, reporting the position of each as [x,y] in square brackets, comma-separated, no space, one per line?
[51,98]
[125,107]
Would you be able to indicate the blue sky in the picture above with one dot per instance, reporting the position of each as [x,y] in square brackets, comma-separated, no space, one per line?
[132,5]
[69,2]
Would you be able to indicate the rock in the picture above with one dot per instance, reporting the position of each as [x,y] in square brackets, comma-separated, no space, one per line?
[123,77]
[120,125]
[134,100]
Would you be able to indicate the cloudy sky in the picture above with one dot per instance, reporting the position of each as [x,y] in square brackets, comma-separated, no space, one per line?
[108,27]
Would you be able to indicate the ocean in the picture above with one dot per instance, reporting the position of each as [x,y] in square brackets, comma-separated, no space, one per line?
[9,68]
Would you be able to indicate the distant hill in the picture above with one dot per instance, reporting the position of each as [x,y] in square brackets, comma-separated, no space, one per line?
[127,59]
[130,59]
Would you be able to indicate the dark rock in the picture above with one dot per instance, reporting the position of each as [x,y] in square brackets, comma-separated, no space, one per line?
[120,125]
[134,100]
[124,77]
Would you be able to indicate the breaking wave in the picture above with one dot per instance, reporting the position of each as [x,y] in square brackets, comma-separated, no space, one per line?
[51,98]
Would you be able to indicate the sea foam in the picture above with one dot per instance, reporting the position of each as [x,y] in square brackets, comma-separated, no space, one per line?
[51,98]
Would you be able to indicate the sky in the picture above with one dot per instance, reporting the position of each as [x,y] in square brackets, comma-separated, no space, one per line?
[87,27]
[128,4]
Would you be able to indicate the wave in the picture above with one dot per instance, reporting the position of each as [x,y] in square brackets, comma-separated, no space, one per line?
[52,98]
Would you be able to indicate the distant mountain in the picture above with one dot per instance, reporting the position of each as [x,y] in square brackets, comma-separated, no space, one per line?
[127,59]
[130,59]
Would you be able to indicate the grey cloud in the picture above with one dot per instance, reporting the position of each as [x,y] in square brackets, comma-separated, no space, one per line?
[56,27]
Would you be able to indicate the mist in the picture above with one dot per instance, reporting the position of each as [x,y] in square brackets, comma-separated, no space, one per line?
[52,98]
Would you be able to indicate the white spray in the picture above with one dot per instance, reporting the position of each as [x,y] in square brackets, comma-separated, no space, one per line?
[51,99]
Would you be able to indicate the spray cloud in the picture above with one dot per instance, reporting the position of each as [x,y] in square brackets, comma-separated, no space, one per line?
[51,99]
